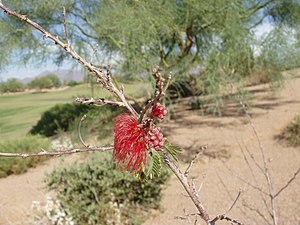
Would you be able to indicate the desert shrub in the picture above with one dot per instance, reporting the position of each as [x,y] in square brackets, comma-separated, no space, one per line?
[26,144]
[11,85]
[59,117]
[292,132]
[72,83]
[95,192]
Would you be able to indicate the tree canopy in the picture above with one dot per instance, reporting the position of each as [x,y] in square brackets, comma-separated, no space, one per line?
[179,35]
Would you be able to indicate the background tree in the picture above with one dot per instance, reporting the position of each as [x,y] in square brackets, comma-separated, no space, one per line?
[183,36]
[11,85]
[48,81]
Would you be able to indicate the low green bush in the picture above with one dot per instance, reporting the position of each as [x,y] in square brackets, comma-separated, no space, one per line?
[11,85]
[72,83]
[26,144]
[292,132]
[59,117]
[95,192]
[48,81]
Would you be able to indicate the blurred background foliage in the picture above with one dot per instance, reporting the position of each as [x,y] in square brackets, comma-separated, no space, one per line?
[213,40]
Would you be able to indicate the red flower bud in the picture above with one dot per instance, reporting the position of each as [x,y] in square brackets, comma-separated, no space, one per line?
[154,139]
[159,111]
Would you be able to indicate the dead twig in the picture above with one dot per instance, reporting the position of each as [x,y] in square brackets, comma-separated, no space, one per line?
[65,29]
[288,183]
[234,202]
[79,131]
[187,171]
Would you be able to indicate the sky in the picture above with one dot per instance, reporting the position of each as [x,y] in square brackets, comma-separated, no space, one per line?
[25,71]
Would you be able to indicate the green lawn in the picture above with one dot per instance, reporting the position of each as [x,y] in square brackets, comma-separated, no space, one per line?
[18,113]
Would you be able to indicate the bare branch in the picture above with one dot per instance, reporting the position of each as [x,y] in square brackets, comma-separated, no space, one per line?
[58,153]
[234,202]
[224,217]
[244,180]
[257,212]
[254,177]
[98,102]
[187,171]
[265,169]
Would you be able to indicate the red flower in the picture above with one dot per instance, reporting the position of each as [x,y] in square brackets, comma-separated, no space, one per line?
[158,110]
[130,151]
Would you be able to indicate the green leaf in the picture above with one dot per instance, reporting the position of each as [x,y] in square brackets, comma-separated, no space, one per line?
[172,149]
[156,166]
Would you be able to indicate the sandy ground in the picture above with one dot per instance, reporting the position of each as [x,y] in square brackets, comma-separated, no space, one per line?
[217,186]
[270,113]
[17,192]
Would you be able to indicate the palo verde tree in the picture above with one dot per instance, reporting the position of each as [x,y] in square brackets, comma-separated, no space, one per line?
[139,144]
[186,35]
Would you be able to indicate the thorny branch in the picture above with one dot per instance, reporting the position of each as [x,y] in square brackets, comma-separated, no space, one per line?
[58,153]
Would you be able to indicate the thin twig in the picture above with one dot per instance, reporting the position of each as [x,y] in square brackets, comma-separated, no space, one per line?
[93,54]
[242,179]
[255,179]
[79,131]
[201,185]
[185,217]
[234,202]
[168,82]
[187,171]
[266,169]
[257,212]
[65,28]
[288,183]
[228,193]
[57,153]
[224,217]
[253,159]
